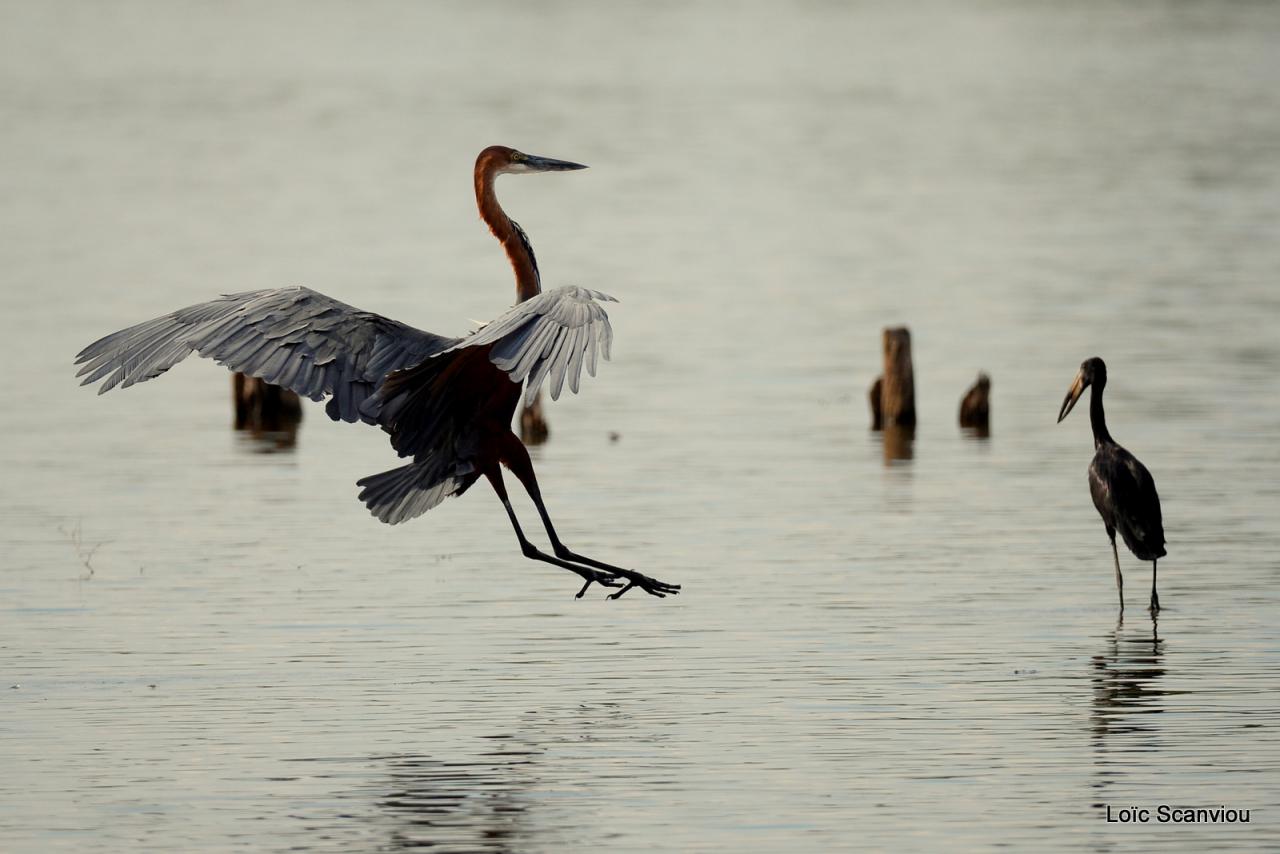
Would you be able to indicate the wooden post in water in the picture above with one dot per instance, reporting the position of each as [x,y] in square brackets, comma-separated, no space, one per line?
[265,410]
[893,396]
[897,384]
[975,408]
[533,426]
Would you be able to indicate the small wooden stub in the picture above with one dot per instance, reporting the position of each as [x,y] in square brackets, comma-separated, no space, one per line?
[975,408]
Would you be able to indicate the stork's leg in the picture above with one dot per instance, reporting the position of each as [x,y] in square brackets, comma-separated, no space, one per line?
[530,551]
[517,459]
[1155,600]
[1119,578]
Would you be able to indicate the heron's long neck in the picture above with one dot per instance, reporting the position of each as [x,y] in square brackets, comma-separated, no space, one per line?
[513,239]
[1098,419]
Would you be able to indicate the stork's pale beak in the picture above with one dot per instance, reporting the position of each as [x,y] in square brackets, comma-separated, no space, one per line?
[1073,394]
[534,163]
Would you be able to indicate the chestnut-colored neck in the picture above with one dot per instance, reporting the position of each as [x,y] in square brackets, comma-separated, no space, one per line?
[514,241]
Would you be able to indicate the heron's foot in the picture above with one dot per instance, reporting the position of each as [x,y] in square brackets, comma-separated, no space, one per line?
[1154,607]
[652,586]
[602,575]
[604,579]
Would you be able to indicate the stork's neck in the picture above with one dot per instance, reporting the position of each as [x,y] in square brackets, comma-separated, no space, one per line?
[512,237]
[1098,419]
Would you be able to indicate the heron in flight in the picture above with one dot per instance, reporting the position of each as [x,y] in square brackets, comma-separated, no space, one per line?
[446,402]
[1123,490]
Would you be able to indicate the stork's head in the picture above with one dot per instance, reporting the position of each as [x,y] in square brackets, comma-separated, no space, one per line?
[1092,372]
[500,160]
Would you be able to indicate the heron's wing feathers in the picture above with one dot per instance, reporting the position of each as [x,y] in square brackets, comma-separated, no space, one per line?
[1138,503]
[1130,492]
[402,493]
[291,337]
[430,409]
[549,336]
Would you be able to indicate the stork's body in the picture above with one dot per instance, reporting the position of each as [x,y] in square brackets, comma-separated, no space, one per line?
[447,403]
[1123,491]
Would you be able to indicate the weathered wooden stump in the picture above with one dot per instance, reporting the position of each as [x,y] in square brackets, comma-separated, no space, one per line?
[892,396]
[265,410]
[975,408]
[899,443]
[533,426]
[897,383]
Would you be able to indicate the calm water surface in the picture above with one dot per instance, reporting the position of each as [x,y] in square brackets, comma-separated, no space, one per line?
[204,647]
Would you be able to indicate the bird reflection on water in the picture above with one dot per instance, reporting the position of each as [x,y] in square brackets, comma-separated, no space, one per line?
[1127,697]
[1125,682]
[476,805]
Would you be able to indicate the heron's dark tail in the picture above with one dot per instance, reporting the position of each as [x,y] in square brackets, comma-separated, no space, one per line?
[402,493]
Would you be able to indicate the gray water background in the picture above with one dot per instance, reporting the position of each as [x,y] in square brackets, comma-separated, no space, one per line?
[205,647]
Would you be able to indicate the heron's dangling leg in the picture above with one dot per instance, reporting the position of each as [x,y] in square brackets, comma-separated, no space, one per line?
[517,459]
[530,551]
[1119,578]
[1155,600]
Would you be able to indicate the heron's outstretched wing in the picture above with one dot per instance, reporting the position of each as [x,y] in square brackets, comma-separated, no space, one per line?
[291,337]
[550,335]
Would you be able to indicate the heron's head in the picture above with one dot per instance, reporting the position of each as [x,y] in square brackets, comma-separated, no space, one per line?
[1092,372]
[500,160]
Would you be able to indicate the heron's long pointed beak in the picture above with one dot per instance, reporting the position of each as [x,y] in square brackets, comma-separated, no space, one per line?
[1073,394]
[548,164]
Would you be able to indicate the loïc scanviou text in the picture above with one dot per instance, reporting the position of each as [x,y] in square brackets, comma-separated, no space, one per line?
[1167,814]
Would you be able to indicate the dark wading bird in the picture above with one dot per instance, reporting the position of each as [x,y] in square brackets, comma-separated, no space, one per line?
[1123,490]
[446,402]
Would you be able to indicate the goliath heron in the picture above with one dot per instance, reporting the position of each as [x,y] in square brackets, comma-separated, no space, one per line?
[446,402]
[1123,490]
